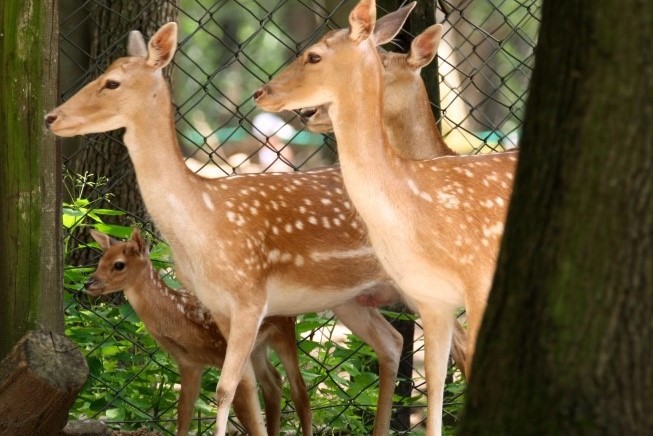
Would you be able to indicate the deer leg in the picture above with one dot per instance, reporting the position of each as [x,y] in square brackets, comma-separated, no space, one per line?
[284,343]
[369,325]
[246,404]
[474,309]
[240,342]
[191,378]
[270,381]
[459,348]
[437,323]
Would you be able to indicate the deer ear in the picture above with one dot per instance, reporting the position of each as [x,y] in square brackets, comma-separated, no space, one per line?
[141,245]
[104,241]
[424,47]
[361,20]
[136,44]
[390,24]
[162,46]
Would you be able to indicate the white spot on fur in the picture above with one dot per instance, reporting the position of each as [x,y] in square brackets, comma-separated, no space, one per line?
[495,230]
[448,200]
[486,203]
[274,256]
[319,256]
[326,223]
[207,201]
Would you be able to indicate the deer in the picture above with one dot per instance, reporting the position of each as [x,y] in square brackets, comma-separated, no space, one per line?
[409,123]
[268,244]
[183,327]
[436,224]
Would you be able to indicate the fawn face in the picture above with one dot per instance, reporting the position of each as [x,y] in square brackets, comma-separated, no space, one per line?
[120,265]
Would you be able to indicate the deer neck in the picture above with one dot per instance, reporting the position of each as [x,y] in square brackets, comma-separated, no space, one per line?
[146,293]
[413,130]
[358,124]
[169,189]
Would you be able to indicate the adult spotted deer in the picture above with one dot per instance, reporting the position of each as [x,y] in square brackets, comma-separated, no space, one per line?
[260,244]
[185,329]
[434,224]
[411,125]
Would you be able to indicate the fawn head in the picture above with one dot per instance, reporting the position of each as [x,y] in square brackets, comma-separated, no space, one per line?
[120,265]
[112,100]
[308,80]
[401,75]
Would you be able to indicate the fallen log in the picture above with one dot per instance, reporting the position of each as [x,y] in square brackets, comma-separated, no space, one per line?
[39,381]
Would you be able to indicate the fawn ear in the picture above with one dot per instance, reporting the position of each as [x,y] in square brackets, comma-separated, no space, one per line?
[104,241]
[390,24]
[136,45]
[424,47]
[361,20]
[141,245]
[162,46]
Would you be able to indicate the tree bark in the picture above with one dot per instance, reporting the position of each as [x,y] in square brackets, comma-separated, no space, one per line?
[39,381]
[104,155]
[30,175]
[565,347]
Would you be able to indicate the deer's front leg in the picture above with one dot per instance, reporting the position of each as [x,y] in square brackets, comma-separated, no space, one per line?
[247,406]
[240,330]
[438,323]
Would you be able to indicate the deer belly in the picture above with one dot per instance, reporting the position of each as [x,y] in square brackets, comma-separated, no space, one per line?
[291,298]
[419,279]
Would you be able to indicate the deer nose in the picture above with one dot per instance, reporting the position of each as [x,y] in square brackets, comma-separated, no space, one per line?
[259,92]
[49,119]
[89,283]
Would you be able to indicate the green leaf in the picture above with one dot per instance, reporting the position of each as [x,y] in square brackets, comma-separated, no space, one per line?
[122,232]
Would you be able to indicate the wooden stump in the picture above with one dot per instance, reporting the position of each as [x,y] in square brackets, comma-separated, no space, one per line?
[39,381]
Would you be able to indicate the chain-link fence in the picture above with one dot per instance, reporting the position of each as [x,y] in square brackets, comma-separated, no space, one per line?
[227,49]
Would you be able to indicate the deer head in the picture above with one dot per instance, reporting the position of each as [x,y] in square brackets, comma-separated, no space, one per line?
[120,264]
[114,99]
[306,75]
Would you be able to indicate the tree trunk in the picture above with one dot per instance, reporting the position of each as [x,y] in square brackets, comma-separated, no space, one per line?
[30,176]
[104,155]
[39,381]
[565,347]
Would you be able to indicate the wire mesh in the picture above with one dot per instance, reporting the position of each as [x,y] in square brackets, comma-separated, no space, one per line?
[227,49]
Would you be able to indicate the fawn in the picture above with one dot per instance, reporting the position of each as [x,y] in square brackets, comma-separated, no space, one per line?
[183,327]
[436,224]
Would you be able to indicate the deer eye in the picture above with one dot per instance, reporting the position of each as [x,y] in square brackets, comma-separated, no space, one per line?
[119,266]
[314,58]
[111,84]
